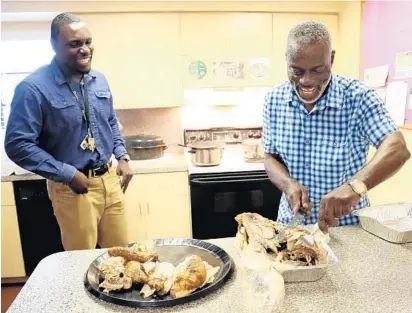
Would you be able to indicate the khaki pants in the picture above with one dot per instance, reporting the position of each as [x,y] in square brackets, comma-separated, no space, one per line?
[95,217]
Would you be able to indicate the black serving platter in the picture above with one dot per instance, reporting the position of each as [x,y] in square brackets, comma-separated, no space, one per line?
[173,251]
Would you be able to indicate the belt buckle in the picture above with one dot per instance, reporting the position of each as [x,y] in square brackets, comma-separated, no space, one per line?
[99,170]
[94,172]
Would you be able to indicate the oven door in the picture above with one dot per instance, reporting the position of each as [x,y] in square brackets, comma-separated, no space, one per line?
[216,199]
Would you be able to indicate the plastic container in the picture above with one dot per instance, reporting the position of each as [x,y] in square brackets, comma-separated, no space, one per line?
[262,287]
[391,222]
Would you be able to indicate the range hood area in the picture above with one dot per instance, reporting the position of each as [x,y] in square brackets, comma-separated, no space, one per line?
[225,96]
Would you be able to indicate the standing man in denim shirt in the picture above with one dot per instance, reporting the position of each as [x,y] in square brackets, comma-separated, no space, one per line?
[62,126]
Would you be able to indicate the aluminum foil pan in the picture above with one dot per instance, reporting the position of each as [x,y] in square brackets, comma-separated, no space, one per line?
[391,222]
[173,251]
[308,273]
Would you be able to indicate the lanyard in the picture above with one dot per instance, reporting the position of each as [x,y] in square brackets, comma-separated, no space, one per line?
[85,111]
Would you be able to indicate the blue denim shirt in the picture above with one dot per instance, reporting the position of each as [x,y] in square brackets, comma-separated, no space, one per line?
[46,125]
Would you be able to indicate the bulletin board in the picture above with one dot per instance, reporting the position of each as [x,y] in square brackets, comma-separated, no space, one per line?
[387,31]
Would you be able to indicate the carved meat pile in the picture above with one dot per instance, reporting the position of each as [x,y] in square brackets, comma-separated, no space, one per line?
[140,265]
[281,243]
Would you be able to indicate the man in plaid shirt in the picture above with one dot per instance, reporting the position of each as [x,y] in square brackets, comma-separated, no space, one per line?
[317,131]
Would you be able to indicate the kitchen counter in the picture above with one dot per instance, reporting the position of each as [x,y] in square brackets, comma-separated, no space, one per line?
[372,276]
[167,163]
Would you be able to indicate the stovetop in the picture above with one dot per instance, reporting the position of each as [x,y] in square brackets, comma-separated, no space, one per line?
[233,159]
[229,135]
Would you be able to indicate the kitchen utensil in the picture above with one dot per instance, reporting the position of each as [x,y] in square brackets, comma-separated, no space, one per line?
[205,153]
[298,218]
[170,250]
[145,147]
[297,221]
[253,150]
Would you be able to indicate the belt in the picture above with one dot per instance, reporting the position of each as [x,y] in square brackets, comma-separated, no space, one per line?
[96,171]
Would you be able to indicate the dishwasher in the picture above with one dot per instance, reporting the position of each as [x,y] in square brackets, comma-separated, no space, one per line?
[39,230]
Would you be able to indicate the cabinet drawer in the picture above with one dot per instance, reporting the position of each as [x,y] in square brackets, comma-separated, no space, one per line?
[11,252]
[7,194]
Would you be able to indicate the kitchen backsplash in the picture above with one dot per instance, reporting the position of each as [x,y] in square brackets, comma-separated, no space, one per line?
[164,122]
[170,122]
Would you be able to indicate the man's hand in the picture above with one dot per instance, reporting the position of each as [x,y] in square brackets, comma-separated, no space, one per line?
[336,204]
[80,183]
[298,196]
[123,169]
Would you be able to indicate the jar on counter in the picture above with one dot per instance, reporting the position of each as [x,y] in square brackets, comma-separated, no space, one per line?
[253,150]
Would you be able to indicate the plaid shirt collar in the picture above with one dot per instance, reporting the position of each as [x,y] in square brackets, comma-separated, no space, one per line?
[333,97]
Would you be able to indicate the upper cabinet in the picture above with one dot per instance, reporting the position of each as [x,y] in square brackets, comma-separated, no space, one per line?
[226,49]
[139,53]
[150,58]
[282,23]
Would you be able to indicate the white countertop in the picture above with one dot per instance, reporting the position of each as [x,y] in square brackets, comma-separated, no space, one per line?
[232,161]
[168,163]
[372,276]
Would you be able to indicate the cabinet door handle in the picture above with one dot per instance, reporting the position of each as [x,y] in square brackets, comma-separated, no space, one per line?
[140,209]
[148,208]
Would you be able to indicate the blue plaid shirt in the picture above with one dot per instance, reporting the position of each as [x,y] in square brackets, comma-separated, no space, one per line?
[323,149]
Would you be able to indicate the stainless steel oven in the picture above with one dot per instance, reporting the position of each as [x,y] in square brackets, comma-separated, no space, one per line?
[216,199]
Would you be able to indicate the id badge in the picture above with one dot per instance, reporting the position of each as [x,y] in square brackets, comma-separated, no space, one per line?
[92,144]
[84,145]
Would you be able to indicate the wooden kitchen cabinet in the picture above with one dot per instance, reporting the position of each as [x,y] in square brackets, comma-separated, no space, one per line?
[158,206]
[282,23]
[12,264]
[218,37]
[143,64]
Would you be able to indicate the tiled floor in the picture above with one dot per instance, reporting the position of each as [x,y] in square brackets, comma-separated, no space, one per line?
[8,294]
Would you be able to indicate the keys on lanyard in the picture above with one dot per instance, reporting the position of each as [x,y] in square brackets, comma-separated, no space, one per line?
[88,142]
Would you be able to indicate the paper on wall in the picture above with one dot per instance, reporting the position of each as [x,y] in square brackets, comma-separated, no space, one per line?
[396,96]
[403,64]
[381,92]
[410,99]
[376,76]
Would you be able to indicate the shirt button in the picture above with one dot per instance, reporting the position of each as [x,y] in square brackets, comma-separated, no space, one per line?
[307,165]
[307,141]
[335,143]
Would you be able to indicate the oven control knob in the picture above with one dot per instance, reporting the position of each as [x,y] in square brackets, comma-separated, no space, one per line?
[236,135]
[193,138]
[202,137]
[250,134]
[257,135]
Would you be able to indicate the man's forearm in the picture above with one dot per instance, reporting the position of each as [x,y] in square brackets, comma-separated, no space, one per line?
[277,172]
[118,143]
[34,159]
[390,156]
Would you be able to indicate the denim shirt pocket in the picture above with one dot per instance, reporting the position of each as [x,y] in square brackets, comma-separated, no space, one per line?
[66,113]
[103,103]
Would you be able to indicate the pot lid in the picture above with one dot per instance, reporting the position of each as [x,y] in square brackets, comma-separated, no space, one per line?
[143,141]
[205,144]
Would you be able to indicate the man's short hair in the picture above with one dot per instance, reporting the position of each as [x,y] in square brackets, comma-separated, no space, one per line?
[61,20]
[307,33]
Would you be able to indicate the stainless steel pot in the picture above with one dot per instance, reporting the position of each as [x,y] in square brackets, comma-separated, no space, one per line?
[206,153]
[145,147]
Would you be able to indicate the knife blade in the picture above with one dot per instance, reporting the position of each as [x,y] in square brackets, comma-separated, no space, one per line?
[298,218]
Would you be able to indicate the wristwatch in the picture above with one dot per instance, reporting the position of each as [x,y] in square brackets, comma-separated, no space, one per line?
[358,187]
[125,157]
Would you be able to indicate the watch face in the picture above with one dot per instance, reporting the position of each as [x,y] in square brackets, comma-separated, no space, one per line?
[359,187]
